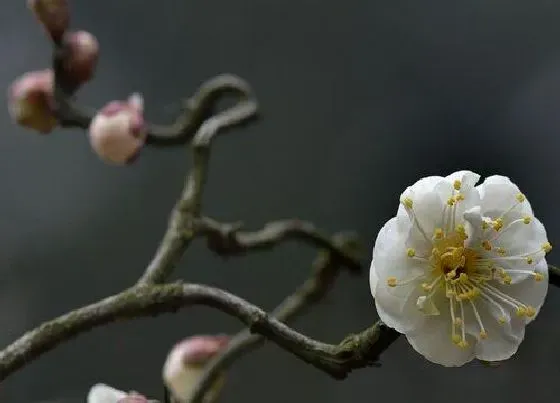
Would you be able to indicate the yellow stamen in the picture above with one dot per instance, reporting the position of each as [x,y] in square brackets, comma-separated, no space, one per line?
[457,184]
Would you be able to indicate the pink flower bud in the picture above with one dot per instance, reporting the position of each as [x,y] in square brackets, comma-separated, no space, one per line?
[31,100]
[118,131]
[82,60]
[185,363]
[54,15]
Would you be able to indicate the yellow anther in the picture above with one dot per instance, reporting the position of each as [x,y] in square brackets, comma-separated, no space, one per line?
[463,344]
[451,201]
[392,281]
[521,311]
[483,334]
[456,339]
[538,276]
[407,201]
[459,197]
[529,260]
[530,311]
[546,247]
[485,224]
[460,229]
[526,220]
[507,279]
[520,197]
[438,233]
[502,320]
[498,224]
[457,184]
[458,322]
[501,251]
[410,252]
[486,245]
[463,278]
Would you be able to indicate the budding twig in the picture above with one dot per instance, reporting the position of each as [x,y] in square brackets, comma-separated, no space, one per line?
[337,360]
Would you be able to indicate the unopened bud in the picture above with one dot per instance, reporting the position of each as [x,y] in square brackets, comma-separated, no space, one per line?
[185,364]
[54,15]
[82,56]
[118,131]
[101,393]
[31,100]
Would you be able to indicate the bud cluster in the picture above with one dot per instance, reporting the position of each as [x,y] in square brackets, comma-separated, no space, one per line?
[118,132]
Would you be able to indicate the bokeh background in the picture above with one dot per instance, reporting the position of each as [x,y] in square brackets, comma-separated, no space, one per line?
[359,99]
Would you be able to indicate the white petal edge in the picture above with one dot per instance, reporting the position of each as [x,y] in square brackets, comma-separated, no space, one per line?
[433,341]
[102,393]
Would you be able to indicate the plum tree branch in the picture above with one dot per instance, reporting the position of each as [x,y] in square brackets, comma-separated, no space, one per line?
[336,360]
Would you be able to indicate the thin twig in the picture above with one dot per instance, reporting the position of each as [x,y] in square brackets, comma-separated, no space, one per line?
[181,230]
[325,270]
[228,239]
[337,360]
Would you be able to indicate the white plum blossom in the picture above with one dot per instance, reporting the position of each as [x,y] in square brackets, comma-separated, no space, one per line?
[461,269]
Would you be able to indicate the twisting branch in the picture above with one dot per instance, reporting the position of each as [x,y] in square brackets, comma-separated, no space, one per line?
[324,272]
[180,230]
[229,240]
[337,360]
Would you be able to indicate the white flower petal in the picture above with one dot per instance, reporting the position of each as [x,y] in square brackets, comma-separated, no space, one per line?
[498,194]
[502,341]
[373,279]
[529,291]
[523,239]
[101,393]
[399,312]
[468,179]
[433,341]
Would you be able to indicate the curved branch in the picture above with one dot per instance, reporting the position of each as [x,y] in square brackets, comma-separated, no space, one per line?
[337,360]
[181,229]
[194,112]
[325,270]
[228,239]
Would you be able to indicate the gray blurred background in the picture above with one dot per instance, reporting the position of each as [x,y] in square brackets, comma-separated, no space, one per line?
[359,99]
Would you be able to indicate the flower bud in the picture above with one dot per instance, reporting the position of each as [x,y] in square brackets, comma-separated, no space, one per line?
[118,131]
[185,364]
[31,100]
[101,393]
[82,58]
[54,15]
